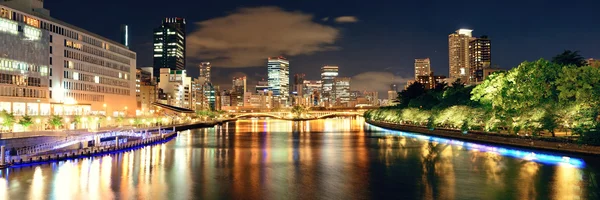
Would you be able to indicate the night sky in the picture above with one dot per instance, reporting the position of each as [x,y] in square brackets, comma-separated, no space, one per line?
[375,43]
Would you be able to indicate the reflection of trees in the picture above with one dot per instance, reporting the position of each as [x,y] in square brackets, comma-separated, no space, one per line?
[438,171]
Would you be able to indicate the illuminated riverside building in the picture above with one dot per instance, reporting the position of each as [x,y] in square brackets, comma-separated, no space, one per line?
[459,59]
[176,88]
[341,91]
[422,67]
[50,67]
[146,90]
[205,71]
[238,91]
[328,73]
[480,52]
[279,77]
[169,45]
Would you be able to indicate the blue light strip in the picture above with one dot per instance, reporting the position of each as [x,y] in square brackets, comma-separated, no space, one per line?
[520,154]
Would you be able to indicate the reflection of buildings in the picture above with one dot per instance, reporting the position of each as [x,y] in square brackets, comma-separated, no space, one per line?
[328,73]
[480,51]
[279,77]
[169,45]
[458,48]
[50,67]
[422,67]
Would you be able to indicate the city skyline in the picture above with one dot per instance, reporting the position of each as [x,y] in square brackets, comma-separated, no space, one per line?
[391,51]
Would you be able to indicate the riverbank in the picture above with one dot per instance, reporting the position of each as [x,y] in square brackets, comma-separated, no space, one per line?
[499,139]
[152,136]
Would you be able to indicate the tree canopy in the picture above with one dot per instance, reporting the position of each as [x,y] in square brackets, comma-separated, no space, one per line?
[569,58]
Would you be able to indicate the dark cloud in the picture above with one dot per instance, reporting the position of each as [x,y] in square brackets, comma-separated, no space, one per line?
[377,81]
[346,19]
[248,36]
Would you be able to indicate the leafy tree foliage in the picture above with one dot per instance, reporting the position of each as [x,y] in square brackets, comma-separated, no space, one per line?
[26,121]
[569,58]
[8,119]
[56,121]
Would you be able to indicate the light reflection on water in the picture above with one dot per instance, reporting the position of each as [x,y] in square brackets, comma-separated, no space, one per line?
[324,159]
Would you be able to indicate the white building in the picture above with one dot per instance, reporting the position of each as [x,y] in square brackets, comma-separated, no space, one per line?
[422,67]
[176,88]
[50,67]
[341,90]
[459,59]
[279,77]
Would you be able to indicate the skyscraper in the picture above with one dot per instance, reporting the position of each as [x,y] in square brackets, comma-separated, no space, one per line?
[328,73]
[169,45]
[481,57]
[205,71]
[422,67]
[459,59]
[279,76]
[341,88]
[237,91]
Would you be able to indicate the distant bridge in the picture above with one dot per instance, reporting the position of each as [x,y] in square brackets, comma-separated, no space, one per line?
[307,115]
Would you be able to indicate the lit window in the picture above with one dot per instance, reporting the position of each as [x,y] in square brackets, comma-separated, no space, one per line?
[96,79]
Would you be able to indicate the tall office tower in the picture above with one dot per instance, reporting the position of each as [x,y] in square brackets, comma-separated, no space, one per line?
[279,77]
[205,71]
[237,91]
[481,57]
[328,74]
[422,67]
[48,66]
[298,83]
[341,90]
[459,59]
[125,35]
[169,45]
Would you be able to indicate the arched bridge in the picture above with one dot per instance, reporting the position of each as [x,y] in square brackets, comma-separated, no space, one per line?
[307,115]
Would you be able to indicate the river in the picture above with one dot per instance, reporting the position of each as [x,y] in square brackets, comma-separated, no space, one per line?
[338,158]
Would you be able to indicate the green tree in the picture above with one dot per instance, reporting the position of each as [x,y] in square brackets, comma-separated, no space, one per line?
[568,57]
[411,92]
[26,121]
[297,111]
[56,121]
[7,119]
[549,122]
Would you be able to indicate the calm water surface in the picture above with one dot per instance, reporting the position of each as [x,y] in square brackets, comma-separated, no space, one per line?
[325,159]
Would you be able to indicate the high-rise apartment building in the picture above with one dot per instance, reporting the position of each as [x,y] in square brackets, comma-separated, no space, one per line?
[341,90]
[205,71]
[238,90]
[169,45]
[480,51]
[328,74]
[50,67]
[459,59]
[422,67]
[279,77]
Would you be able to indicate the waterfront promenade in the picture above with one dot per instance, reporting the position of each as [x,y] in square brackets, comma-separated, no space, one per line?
[44,146]
[545,144]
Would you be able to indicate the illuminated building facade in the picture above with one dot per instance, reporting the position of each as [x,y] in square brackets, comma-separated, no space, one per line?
[169,45]
[279,77]
[422,67]
[458,57]
[176,88]
[205,71]
[341,91]
[481,57]
[238,90]
[50,67]
[328,74]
